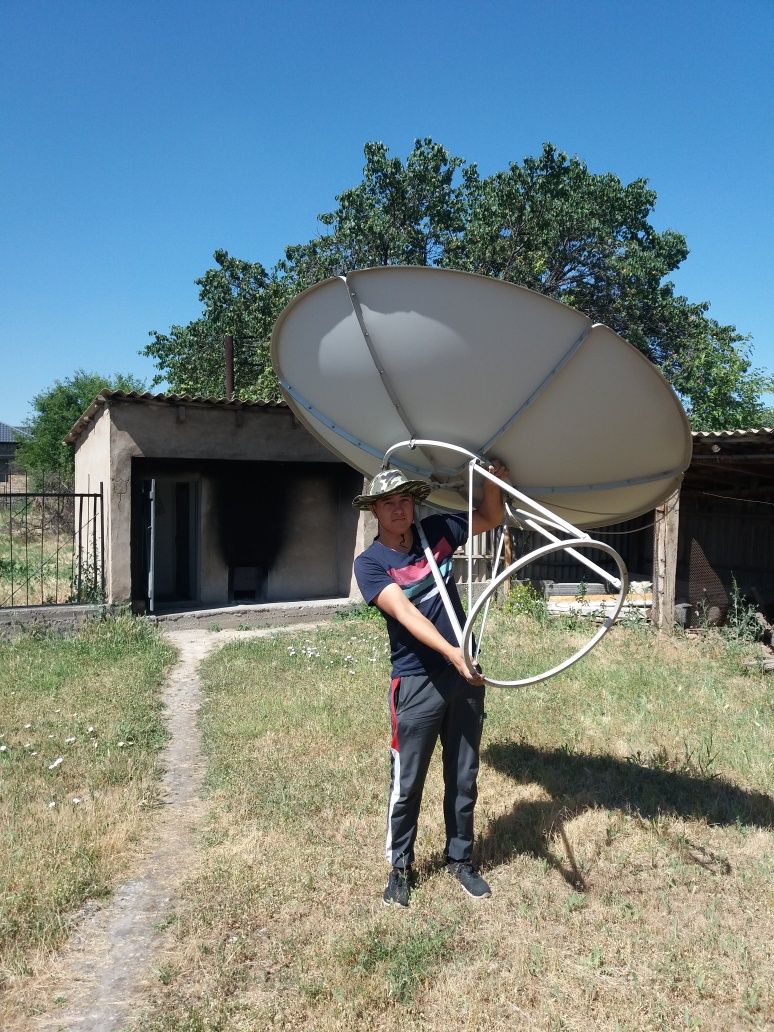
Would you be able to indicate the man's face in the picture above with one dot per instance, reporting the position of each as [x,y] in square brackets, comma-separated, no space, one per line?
[395,514]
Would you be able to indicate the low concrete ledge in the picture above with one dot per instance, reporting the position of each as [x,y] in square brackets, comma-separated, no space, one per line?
[64,619]
[268,614]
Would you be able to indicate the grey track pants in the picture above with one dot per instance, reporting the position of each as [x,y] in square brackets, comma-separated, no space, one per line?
[422,710]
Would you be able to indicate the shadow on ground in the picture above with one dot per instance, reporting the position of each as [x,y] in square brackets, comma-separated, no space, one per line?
[577,782]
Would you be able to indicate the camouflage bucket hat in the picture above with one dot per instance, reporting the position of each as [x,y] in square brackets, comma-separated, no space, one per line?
[389,482]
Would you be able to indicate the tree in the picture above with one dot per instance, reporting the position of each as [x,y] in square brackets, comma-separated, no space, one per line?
[551,225]
[548,224]
[713,370]
[239,298]
[57,409]
[398,215]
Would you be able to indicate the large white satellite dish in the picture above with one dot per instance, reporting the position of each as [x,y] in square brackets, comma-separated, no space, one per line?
[587,425]
[433,370]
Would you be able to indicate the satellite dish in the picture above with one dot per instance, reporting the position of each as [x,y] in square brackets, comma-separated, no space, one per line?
[433,371]
[587,425]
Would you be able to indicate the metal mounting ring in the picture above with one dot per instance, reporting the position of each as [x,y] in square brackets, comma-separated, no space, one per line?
[539,553]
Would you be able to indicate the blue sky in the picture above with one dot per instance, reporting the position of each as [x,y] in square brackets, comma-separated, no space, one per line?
[138,138]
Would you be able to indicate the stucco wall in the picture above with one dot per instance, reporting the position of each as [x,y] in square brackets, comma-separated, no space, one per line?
[171,431]
[125,430]
[92,468]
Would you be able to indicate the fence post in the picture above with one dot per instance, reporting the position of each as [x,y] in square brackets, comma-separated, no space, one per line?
[102,539]
[80,543]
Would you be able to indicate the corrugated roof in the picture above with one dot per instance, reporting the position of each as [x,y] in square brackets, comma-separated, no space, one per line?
[10,435]
[760,434]
[171,399]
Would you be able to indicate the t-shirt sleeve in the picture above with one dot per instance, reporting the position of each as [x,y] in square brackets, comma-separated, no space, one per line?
[371,577]
[453,527]
[457,528]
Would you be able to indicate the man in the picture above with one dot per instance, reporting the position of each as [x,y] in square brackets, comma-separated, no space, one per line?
[432,693]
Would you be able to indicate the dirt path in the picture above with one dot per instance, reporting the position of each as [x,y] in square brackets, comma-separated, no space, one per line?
[95,985]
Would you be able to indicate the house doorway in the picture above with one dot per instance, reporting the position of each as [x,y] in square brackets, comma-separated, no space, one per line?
[170,546]
[213,533]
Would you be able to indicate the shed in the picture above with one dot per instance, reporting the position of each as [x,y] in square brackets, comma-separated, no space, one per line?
[711,542]
[725,540]
[209,502]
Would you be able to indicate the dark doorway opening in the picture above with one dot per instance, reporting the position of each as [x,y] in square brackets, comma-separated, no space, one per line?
[164,541]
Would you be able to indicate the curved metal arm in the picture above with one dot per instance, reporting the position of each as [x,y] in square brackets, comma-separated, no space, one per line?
[539,553]
[538,518]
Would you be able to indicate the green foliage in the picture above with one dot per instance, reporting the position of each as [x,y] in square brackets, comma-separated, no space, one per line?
[400,214]
[360,611]
[547,223]
[405,957]
[742,620]
[56,410]
[524,599]
[239,298]
[713,369]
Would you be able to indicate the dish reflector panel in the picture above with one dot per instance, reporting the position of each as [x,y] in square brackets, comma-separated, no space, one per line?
[588,426]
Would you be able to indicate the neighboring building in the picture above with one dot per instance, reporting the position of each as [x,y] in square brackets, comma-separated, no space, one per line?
[724,527]
[726,521]
[208,502]
[10,439]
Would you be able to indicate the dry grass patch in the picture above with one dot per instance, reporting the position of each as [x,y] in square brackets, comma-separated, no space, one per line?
[80,731]
[37,564]
[625,823]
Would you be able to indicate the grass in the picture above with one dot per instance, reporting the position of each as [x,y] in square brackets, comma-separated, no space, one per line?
[80,732]
[624,821]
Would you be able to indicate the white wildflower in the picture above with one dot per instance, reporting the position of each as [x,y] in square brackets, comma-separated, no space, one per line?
[69,741]
[76,799]
[27,727]
[55,764]
[51,804]
[3,748]
[121,745]
[90,729]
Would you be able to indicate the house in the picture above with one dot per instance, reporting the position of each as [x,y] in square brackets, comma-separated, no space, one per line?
[209,502]
[10,439]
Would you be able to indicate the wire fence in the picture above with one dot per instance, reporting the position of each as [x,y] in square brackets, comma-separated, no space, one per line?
[52,542]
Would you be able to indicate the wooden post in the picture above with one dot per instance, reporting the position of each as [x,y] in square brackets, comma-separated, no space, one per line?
[665,532]
[228,345]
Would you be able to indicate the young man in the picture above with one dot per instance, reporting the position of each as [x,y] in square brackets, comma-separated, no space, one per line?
[432,693]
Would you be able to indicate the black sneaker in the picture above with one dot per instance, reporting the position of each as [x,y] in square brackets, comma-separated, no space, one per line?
[398,888]
[469,878]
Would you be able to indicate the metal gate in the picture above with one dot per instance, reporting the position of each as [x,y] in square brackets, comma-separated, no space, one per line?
[52,544]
